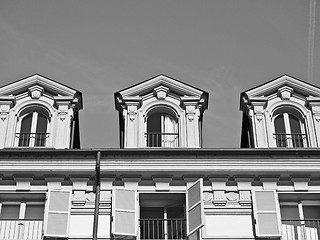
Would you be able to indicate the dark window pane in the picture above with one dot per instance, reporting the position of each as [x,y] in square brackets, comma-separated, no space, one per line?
[281,137]
[10,211]
[154,130]
[41,124]
[154,123]
[26,124]
[34,212]
[279,124]
[294,124]
[289,212]
[311,212]
[40,137]
[24,137]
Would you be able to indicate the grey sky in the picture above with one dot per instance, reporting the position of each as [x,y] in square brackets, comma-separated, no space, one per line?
[102,46]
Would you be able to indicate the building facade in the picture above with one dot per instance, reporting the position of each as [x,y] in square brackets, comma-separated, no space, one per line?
[160,183]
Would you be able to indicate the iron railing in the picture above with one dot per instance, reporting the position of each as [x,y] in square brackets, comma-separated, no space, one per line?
[169,140]
[301,229]
[162,229]
[291,140]
[21,229]
[32,139]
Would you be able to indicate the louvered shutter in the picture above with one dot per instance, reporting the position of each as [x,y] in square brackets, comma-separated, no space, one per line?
[57,214]
[267,213]
[195,213]
[124,212]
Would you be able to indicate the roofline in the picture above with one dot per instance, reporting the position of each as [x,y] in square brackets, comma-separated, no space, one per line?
[179,152]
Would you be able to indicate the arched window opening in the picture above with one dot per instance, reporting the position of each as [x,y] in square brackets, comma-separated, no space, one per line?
[33,130]
[162,130]
[289,131]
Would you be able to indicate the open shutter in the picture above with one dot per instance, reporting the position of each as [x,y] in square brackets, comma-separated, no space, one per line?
[266,213]
[57,214]
[124,212]
[195,212]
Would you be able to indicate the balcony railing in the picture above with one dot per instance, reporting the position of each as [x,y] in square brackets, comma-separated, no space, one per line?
[169,140]
[291,140]
[32,139]
[21,229]
[162,229]
[301,229]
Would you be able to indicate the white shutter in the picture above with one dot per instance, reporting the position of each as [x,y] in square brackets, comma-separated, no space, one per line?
[195,212]
[57,213]
[124,212]
[266,213]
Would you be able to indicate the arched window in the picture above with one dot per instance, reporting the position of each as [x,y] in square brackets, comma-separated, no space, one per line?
[162,130]
[290,130]
[33,130]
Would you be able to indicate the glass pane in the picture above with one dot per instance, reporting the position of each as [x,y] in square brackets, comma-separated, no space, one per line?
[40,136]
[279,124]
[289,212]
[294,124]
[41,124]
[311,212]
[34,212]
[10,211]
[281,137]
[154,130]
[26,124]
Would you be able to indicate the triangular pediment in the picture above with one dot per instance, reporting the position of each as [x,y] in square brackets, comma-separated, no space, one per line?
[146,87]
[37,82]
[271,87]
[49,85]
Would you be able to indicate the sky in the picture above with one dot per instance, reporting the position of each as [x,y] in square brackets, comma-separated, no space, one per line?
[100,47]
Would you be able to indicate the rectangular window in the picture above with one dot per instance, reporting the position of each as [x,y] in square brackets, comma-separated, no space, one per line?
[160,215]
[300,216]
[21,216]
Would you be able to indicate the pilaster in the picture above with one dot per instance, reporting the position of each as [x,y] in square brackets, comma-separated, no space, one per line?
[258,105]
[131,121]
[6,103]
[191,105]
[314,104]
[62,137]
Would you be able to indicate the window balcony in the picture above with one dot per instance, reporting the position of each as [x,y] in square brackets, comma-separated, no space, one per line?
[297,140]
[32,139]
[162,229]
[301,229]
[21,229]
[169,140]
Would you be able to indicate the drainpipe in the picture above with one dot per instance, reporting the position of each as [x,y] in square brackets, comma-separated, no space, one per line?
[97,202]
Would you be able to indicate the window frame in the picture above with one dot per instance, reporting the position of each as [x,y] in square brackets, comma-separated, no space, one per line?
[286,113]
[163,111]
[35,110]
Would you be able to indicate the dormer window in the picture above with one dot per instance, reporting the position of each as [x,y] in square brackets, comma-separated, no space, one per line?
[162,130]
[33,129]
[289,131]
